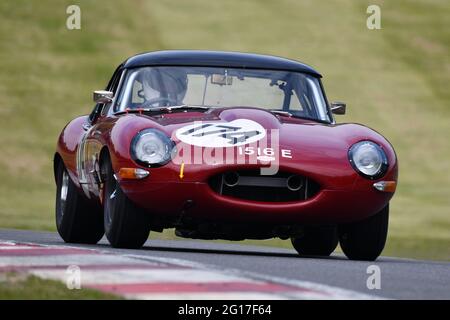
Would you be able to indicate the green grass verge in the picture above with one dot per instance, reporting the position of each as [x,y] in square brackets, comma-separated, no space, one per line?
[394,79]
[22,287]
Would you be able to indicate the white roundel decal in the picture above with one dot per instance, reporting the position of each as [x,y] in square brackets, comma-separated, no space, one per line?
[221,134]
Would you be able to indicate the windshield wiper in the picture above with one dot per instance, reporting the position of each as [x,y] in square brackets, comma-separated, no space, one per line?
[162,109]
[293,115]
[180,107]
[282,113]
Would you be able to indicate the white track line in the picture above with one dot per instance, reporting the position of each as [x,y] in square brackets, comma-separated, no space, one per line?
[17,247]
[127,276]
[63,260]
[333,292]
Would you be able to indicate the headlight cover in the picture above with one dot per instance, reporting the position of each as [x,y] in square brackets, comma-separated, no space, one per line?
[151,148]
[368,159]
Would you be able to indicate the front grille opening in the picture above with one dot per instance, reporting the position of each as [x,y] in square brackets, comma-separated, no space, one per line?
[251,185]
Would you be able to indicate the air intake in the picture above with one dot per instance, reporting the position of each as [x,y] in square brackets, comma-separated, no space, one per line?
[251,185]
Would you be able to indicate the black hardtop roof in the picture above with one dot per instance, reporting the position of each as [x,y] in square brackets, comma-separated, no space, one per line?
[217,59]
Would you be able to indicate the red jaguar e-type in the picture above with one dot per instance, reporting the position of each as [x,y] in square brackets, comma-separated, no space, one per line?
[223,145]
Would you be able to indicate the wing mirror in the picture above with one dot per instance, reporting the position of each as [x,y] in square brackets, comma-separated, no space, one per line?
[102,96]
[338,107]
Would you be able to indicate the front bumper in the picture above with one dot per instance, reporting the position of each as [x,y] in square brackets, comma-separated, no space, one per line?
[197,200]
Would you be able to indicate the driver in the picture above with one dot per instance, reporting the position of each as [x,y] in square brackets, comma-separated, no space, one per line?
[163,86]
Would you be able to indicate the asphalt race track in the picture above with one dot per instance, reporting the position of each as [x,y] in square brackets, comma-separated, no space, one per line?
[269,269]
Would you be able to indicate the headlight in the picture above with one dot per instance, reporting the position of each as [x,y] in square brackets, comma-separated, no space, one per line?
[151,147]
[368,159]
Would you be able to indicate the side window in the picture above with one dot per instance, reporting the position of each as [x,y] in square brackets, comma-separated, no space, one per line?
[94,113]
[112,86]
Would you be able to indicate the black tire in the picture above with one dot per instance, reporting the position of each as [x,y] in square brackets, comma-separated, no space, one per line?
[319,241]
[365,239]
[126,225]
[77,219]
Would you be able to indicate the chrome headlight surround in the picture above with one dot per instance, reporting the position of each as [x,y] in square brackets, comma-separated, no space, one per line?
[368,159]
[151,148]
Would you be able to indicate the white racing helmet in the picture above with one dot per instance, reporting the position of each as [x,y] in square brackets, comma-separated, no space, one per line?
[167,84]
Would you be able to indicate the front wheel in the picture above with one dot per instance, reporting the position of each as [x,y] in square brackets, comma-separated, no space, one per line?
[77,220]
[318,241]
[126,225]
[365,239]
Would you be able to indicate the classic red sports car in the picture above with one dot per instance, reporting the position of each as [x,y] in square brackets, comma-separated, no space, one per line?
[222,145]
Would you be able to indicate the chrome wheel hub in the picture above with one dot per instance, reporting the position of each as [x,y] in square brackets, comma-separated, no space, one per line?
[64,191]
[112,189]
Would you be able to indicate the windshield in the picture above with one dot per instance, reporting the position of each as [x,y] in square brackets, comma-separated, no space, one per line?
[155,87]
